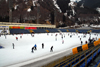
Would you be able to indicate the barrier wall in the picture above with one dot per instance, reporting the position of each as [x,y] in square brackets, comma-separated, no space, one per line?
[31,28]
[21,27]
[16,27]
[85,46]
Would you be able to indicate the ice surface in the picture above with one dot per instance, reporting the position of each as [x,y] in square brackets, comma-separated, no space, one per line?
[22,51]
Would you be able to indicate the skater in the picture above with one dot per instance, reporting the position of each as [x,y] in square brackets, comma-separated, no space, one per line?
[56,38]
[51,49]
[81,42]
[62,36]
[20,36]
[80,38]
[62,41]
[35,47]
[42,45]
[70,36]
[13,45]
[85,42]
[16,38]
[32,49]
[56,35]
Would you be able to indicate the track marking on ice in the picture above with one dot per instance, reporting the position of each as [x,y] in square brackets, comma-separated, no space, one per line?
[40,58]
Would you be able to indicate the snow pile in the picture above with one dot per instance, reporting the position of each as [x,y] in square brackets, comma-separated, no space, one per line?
[56,5]
[15,7]
[75,0]
[34,1]
[72,4]
[98,9]
[25,42]
[29,10]
[97,26]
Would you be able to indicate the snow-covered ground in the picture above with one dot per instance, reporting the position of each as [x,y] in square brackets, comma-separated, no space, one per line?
[22,51]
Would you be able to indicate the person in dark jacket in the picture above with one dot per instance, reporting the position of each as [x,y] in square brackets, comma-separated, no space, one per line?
[51,49]
[32,49]
[13,45]
[42,45]
[86,42]
[81,42]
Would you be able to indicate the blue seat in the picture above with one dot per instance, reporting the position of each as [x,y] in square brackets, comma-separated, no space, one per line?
[63,30]
[67,65]
[39,31]
[18,31]
[99,51]
[97,63]
[83,65]
[94,54]
[89,60]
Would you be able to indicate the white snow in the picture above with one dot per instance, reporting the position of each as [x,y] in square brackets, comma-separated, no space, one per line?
[75,0]
[29,9]
[6,0]
[82,6]
[34,1]
[96,26]
[56,5]
[71,4]
[98,9]
[15,7]
[22,51]
[73,12]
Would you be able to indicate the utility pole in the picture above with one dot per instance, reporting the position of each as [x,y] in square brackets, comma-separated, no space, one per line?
[10,10]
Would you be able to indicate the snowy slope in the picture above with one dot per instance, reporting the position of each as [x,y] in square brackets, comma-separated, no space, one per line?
[22,51]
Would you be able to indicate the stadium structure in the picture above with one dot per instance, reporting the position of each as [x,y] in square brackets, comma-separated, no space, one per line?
[82,56]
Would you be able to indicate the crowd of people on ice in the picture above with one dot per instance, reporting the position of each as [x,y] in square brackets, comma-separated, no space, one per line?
[90,40]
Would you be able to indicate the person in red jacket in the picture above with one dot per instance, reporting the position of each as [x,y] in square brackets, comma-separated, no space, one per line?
[16,38]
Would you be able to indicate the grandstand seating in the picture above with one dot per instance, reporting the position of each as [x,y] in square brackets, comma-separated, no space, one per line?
[96,31]
[98,63]
[82,30]
[71,30]
[52,30]
[18,31]
[80,59]
[39,31]
[63,30]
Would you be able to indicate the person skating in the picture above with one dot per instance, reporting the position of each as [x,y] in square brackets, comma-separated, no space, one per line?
[13,45]
[51,49]
[20,36]
[32,50]
[86,42]
[80,38]
[35,47]
[56,38]
[62,41]
[42,45]
[16,38]
[81,42]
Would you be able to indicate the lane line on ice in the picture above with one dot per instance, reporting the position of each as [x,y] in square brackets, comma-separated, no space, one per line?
[38,59]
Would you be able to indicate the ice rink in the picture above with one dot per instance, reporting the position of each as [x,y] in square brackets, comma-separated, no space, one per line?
[22,49]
